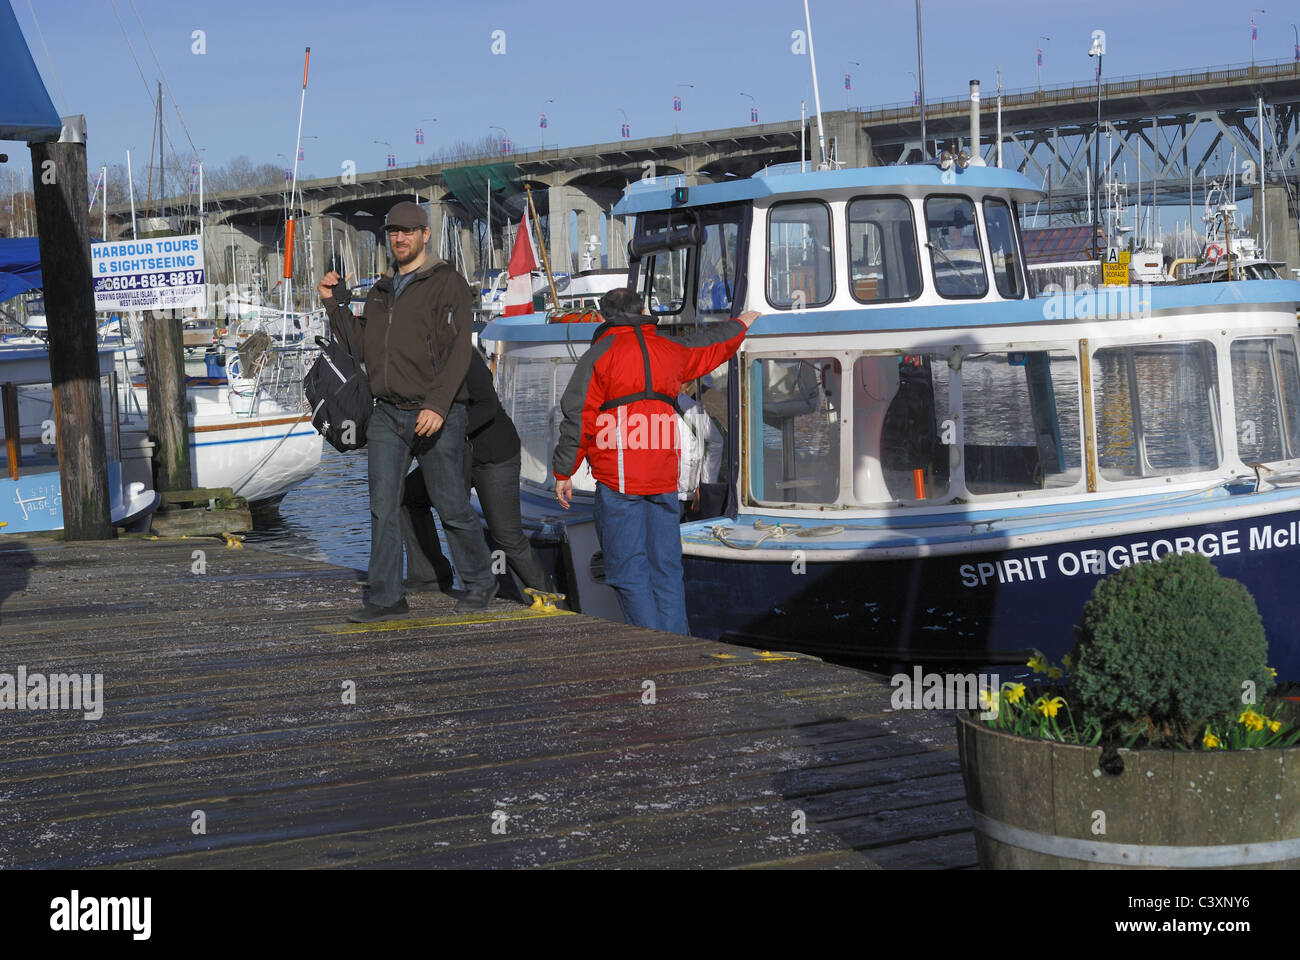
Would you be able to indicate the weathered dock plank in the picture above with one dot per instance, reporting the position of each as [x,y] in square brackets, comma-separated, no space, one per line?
[502,740]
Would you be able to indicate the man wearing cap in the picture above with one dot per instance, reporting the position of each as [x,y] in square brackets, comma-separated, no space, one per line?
[414,339]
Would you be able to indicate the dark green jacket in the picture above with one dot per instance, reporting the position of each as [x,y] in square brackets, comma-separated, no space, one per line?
[416,354]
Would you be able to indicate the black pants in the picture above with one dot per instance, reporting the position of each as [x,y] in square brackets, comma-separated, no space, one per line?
[498,494]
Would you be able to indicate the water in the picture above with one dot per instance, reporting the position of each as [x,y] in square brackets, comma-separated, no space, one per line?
[326,518]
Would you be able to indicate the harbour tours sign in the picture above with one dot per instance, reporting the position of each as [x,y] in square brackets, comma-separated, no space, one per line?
[158,273]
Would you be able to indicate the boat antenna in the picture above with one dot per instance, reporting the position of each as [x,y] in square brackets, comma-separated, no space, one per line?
[293,185]
[817,94]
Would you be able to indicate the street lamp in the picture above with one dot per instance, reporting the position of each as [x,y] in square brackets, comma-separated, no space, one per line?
[391,160]
[848,81]
[626,130]
[916,89]
[1297,42]
[419,132]
[753,110]
[1254,31]
[541,121]
[1040,63]
[506,145]
[1098,50]
[677,103]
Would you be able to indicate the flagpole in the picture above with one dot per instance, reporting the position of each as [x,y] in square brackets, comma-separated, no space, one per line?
[546,261]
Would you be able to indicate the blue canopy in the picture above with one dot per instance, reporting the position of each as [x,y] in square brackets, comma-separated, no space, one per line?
[20,266]
[26,112]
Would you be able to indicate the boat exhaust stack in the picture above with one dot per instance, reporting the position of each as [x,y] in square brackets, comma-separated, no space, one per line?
[976,155]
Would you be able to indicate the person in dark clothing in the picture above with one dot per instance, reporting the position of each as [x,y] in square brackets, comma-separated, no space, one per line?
[494,473]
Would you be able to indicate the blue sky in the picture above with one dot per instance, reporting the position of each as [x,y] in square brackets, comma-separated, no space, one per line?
[379,69]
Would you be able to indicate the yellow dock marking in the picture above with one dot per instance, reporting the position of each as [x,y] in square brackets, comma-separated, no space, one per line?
[415,623]
[760,656]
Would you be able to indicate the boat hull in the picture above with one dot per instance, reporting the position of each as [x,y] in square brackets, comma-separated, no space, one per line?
[984,607]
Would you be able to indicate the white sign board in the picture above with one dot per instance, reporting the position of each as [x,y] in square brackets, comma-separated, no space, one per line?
[161,273]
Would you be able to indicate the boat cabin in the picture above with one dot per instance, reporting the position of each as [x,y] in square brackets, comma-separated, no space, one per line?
[901,361]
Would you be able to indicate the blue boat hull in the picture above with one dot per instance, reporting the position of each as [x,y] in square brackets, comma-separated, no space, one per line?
[985,607]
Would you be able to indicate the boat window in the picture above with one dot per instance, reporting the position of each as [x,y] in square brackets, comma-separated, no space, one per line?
[1266,391]
[900,420]
[883,262]
[1021,428]
[1002,249]
[953,239]
[795,409]
[535,388]
[666,279]
[718,268]
[1156,408]
[799,271]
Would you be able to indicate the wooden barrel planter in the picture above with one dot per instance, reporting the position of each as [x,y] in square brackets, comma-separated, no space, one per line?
[1037,804]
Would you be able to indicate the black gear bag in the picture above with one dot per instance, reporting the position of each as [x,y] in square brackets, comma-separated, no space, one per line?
[338,391]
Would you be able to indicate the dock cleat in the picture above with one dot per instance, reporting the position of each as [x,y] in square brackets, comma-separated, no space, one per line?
[544,602]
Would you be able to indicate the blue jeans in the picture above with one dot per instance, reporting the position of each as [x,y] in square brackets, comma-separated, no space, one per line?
[640,538]
[390,444]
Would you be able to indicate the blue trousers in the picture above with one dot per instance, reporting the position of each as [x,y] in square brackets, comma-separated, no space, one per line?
[640,538]
[391,443]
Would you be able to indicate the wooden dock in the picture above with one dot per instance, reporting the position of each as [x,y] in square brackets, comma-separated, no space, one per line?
[504,739]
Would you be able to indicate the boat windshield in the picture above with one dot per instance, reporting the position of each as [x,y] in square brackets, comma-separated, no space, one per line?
[883,263]
[953,238]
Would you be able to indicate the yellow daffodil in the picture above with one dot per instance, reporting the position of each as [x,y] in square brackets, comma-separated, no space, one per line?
[1037,663]
[1275,725]
[1055,673]
[1251,720]
[1271,672]
[1069,665]
[989,699]
[1048,708]
[1015,692]
[1210,741]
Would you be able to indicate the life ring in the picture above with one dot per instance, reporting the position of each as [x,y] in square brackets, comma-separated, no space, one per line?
[1214,252]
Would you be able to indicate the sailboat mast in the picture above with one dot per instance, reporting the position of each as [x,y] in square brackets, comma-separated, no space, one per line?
[287,285]
[162,201]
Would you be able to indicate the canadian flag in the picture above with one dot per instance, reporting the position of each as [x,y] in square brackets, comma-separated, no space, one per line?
[523,261]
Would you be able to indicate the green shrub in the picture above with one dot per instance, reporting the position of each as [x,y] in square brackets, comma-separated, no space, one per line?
[1163,648]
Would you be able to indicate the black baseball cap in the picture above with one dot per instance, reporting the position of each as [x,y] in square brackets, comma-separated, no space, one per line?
[407,214]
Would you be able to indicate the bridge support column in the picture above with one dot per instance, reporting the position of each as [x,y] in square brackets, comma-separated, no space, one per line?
[567,238]
[1283,237]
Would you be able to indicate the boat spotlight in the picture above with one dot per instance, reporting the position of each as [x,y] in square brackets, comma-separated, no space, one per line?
[963,160]
[945,160]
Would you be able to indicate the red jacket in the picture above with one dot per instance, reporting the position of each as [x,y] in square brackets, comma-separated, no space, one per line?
[632,446]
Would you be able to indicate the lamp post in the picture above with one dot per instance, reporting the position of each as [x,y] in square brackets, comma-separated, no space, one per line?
[391,160]
[1297,42]
[541,121]
[677,103]
[625,131]
[753,110]
[507,145]
[1098,50]
[419,133]
[1254,32]
[916,92]
[848,81]
[1040,63]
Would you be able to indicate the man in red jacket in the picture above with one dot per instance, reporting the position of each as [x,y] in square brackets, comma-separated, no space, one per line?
[620,415]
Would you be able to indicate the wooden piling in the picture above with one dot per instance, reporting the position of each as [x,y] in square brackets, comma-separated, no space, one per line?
[59,183]
[164,368]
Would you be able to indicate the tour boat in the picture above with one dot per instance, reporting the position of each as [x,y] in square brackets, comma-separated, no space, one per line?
[923,461]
